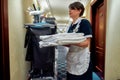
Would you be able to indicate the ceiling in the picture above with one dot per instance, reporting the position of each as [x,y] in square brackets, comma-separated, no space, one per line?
[58,9]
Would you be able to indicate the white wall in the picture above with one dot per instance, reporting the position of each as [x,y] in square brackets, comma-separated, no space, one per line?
[112,59]
[87,9]
[18,66]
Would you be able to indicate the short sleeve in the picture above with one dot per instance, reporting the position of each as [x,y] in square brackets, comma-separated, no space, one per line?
[85,27]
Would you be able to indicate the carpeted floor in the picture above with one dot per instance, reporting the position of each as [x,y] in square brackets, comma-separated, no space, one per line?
[61,63]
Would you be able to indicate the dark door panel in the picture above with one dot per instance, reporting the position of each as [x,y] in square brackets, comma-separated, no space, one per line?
[98,18]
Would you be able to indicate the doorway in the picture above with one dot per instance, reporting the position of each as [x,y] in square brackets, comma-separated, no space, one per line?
[98,11]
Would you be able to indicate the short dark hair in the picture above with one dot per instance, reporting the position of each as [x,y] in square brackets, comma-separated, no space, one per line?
[78,6]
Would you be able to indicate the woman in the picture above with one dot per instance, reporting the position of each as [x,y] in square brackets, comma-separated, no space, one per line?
[78,57]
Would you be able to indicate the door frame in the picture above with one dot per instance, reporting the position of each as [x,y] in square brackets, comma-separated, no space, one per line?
[94,5]
[4,56]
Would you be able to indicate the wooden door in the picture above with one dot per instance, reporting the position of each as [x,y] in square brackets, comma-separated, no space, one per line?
[100,39]
[98,20]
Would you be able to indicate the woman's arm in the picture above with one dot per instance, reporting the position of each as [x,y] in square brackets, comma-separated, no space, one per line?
[84,43]
[81,44]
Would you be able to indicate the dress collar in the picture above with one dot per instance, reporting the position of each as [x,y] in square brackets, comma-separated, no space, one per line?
[77,21]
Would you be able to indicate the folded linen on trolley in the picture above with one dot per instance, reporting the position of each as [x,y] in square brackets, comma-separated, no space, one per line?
[61,39]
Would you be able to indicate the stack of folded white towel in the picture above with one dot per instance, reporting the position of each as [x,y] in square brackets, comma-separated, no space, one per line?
[61,39]
[36,12]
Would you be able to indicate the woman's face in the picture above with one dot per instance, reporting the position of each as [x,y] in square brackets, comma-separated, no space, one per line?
[73,13]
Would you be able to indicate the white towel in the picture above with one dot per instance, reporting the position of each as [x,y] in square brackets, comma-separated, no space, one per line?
[61,39]
[35,12]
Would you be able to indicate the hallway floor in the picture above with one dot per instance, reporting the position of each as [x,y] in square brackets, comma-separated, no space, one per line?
[61,62]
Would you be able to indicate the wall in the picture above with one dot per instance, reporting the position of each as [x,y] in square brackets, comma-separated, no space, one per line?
[87,8]
[18,66]
[27,3]
[112,59]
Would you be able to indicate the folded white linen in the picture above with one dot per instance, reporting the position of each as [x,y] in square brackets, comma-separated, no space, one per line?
[35,12]
[61,39]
